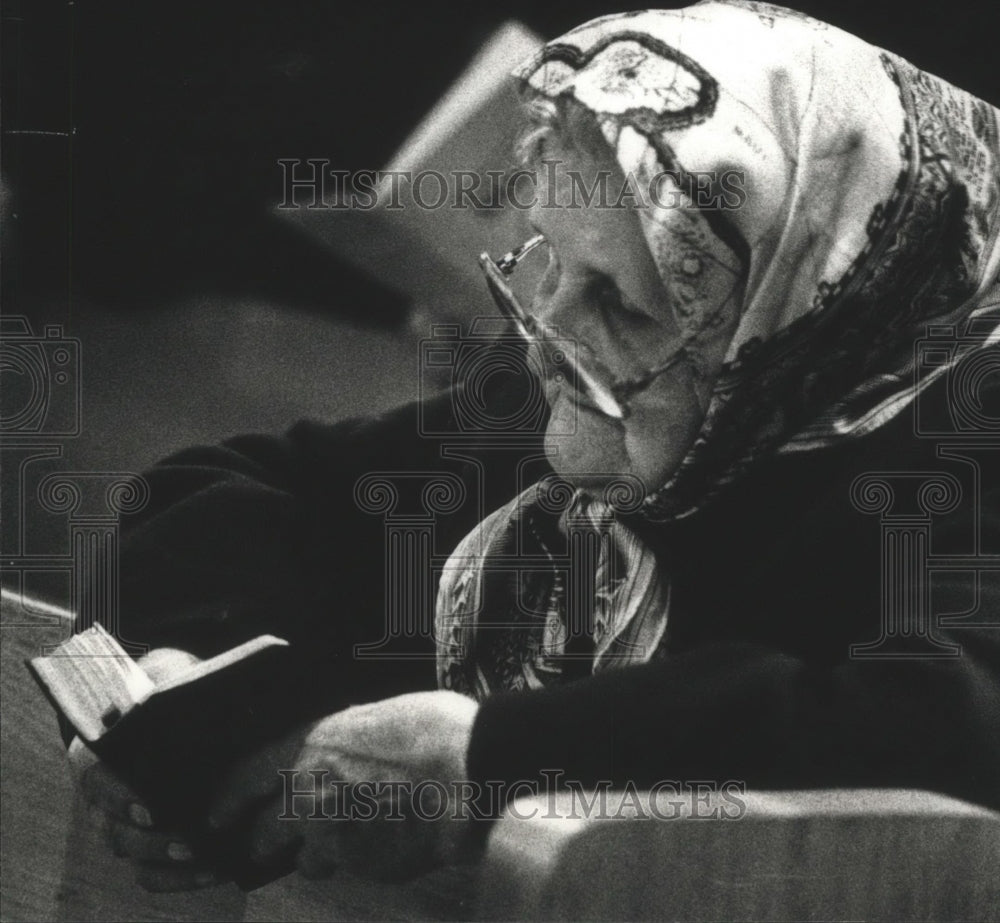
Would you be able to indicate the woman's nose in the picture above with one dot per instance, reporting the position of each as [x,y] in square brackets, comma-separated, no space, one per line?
[572,312]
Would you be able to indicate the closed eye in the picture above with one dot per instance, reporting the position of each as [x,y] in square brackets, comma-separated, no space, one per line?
[613,305]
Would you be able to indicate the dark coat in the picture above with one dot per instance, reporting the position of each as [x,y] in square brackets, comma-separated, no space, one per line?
[774,582]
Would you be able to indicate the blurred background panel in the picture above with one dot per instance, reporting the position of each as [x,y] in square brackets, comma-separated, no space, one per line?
[140,174]
[180,111]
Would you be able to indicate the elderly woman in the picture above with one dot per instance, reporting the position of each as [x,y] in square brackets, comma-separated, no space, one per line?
[736,387]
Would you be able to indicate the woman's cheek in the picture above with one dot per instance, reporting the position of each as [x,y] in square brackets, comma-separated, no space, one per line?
[583,446]
[662,427]
[656,444]
[588,448]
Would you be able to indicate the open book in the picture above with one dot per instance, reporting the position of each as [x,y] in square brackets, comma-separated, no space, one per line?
[94,684]
[173,743]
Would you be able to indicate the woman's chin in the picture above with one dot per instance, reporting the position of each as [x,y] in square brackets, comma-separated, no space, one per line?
[583,446]
[591,450]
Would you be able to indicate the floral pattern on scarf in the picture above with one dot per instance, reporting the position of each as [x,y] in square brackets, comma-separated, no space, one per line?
[872,212]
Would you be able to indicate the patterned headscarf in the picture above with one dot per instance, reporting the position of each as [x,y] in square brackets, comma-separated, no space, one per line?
[871,212]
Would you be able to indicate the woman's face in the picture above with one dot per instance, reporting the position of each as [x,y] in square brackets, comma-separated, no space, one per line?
[602,288]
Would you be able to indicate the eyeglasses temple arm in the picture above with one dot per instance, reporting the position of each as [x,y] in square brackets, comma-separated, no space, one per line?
[530,329]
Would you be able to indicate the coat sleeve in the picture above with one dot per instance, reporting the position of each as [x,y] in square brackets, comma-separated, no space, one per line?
[753,712]
[263,534]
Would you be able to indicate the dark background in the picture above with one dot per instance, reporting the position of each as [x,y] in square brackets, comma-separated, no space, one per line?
[139,171]
[179,111]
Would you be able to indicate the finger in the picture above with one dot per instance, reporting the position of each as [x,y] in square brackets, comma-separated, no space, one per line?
[166,663]
[396,843]
[379,849]
[325,847]
[101,823]
[149,845]
[161,877]
[254,778]
[81,759]
[396,850]
[106,791]
[273,836]
[390,845]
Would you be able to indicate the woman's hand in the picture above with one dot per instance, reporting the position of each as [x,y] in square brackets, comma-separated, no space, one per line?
[365,764]
[357,819]
[163,860]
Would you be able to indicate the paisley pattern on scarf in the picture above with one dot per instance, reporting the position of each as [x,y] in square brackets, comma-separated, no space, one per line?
[551,586]
[862,352]
[871,220]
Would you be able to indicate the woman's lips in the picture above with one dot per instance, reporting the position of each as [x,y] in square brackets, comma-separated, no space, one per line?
[556,391]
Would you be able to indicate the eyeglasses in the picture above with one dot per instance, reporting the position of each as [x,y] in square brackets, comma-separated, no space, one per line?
[592,381]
